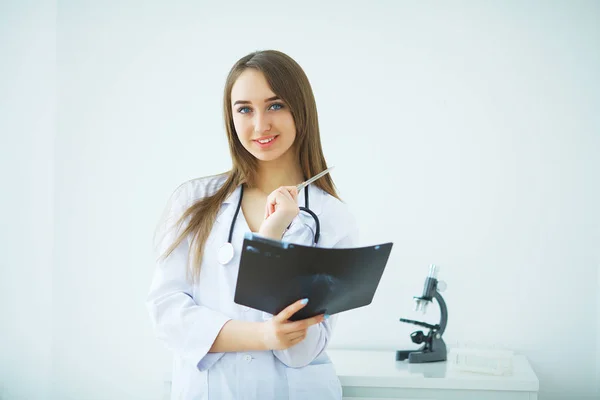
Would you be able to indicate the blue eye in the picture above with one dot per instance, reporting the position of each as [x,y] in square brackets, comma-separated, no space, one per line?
[274,107]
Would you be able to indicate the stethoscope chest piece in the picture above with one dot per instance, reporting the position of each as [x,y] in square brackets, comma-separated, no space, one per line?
[225,253]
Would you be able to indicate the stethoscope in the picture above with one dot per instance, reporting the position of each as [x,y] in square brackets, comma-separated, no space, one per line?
[226,251]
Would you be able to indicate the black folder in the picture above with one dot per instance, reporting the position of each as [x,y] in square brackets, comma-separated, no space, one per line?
[274,274]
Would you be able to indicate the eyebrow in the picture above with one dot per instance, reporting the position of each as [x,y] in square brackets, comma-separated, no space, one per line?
[247,102]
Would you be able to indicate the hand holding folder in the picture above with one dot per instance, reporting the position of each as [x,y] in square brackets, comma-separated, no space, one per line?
[275,274]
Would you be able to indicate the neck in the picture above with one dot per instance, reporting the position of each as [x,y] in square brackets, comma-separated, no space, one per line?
[284,171]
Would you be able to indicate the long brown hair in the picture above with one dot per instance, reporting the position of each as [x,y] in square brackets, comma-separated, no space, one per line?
[288,81]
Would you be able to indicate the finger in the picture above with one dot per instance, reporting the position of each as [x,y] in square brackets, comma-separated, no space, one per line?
[302,325]
[271,204]
[285,193]
[271,208]
[290,310]
[293,191]
[297,337]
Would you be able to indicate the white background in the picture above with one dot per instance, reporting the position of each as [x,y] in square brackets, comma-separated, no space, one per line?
[465,132]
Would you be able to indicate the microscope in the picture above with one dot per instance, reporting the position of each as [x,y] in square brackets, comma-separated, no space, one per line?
[433,348]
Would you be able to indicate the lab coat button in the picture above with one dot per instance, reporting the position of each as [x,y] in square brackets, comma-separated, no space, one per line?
[247,358]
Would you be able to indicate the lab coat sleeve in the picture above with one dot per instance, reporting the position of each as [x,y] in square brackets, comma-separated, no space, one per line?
[318,335]
[185,327]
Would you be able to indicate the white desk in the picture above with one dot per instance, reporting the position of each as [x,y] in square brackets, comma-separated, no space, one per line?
[376,375]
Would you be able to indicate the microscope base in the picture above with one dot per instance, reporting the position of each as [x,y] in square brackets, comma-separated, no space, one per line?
[424,354]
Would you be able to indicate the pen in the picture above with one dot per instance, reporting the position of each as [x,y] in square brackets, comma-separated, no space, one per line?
[311,180]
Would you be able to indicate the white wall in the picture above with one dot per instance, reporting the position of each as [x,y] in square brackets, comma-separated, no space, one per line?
[598,333]
[482,128]
[27,132]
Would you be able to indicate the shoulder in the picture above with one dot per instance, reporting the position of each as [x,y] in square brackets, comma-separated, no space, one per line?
[196,189]
[337,217]
[333,207]
[183,197]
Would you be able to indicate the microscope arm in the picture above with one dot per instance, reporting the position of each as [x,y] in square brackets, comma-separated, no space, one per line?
[443,312]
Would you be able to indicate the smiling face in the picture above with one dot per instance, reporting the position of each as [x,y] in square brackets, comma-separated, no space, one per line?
[263,122]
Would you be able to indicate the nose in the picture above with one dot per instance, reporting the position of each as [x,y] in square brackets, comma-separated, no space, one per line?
[262,123]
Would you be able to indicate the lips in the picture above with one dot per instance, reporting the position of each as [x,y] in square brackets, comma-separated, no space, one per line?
[265,139]
[265,142]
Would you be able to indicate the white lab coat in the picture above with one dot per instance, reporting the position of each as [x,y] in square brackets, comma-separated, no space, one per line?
[187,318]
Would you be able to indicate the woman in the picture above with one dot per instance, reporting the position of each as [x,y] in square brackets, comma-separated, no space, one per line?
[223,350]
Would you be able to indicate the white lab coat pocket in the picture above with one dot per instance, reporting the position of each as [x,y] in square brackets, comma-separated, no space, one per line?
[314,382]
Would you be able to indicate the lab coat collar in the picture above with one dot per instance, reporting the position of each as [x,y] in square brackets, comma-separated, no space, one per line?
[234,197]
